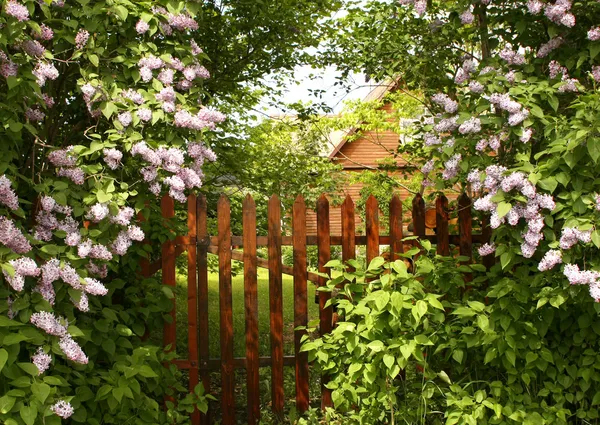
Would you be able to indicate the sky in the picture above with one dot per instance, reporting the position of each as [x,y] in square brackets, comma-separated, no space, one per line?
[307,79]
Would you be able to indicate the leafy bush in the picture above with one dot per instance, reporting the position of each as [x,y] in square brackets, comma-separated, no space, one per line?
[422,347]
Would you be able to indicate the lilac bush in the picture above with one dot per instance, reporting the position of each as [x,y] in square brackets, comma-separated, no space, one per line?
[103,112]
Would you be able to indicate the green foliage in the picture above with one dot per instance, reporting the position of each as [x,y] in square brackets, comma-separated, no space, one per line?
[519,351]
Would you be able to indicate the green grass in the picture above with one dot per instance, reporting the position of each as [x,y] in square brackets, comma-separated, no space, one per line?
[239,321]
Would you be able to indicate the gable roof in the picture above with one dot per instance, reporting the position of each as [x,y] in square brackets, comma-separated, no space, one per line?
[339,138]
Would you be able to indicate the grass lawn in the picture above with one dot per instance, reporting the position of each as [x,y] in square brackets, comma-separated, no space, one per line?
[239,321]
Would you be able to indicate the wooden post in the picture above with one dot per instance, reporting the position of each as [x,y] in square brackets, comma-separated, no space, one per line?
[325,314]
[167,206]
[276,303]
[441,225]
[192,302]
[396,245]
[202,264]
[226,313]
[251,307]
[418,215]
[372,224]
[348,230]
[300,302]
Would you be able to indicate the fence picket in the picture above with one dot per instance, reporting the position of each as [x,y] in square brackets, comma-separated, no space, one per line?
[167,206]
[348,230]
[192,302]
[396,245]
[202,272]
[251,309]
[418,215]
[372,224]
[226,313]
[325,314]
[300,302]
[441,225]
[276,303]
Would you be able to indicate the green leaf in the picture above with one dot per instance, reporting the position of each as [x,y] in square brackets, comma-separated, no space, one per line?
[511,357]
[594,50]
[3,357]
[548,184]
[102,196]
[30,368]
[389,360]
[593,147]
[28,414]
[6,403]
[14,339]
[458,355]
[444,376]
[108,109]
[376,346]
[94,60]
[121,12]
[41,391]
[530,357]
[376,263]
[503,209]
[147,372]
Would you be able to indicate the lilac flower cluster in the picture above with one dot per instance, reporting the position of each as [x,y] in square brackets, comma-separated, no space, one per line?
[571,236]
[517,113]
[44,71]
[596,73]
[8,196]
[580,277]
[172,160]
[63,409]
[449,105]
[23,267]
[142,27]
[64,160]
[594,34]
[45,33]
[419,5]
[551,259]
[41,360]
[12,237]
[463,74]
[49,323]
[496,179]
[467,17]
[451,167]
[511,57]
[486,249]
[471,126]
[551,45]
[112,157]
[204,119]
[559,13]
[47,222]
[33,48]
[81,38]
[16,10]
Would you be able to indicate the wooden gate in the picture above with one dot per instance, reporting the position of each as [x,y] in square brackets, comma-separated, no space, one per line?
[198,244]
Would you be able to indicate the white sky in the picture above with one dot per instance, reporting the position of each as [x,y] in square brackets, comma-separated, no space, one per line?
[307,79]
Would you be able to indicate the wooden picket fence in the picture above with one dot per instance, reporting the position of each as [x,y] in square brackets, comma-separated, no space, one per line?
[198,244]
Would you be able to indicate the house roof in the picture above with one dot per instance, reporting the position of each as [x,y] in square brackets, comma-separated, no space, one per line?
[339,138]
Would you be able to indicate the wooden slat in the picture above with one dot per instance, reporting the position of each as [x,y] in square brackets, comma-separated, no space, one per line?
[202,264]
[465,227]
[276,303]
[167,206]
[214,365]
[441,225]
[251,309]
[300,302]
[334,240]
[226,313]
[325,314]
[418,215]
[396,245]
[193,304]
[348,230]
[372,224]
